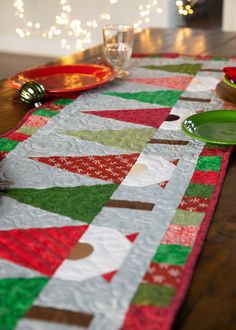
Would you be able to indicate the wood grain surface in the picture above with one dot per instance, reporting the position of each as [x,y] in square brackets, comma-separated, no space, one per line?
[210,303]
[226,92]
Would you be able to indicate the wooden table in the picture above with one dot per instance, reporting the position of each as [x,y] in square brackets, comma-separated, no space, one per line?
[211,299]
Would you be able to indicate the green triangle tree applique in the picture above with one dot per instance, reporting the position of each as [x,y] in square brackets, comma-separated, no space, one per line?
[163,97]
[133,139]
[188,68]
[16,297]
[79,203]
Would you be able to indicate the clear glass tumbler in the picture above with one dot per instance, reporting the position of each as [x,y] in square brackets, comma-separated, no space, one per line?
[118,46]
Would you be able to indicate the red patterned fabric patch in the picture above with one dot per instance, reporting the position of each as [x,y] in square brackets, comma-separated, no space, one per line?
[203,57]
[144,318]
[148,117]
[112,168]
[167,55]
[40,249]
[213,151]
[170,55]
[36,121]
[164,274]
[194,204]
[182,235]
[17,136]
[205,177]
[179,83]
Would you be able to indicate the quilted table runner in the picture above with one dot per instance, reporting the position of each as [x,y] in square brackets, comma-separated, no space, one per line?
[105,203]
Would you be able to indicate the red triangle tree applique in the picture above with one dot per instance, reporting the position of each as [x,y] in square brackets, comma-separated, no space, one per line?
[111,168]
[39,249]
[179,83]
[147,117]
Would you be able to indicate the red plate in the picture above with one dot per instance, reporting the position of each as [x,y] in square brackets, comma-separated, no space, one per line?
[230,72]
[65,78]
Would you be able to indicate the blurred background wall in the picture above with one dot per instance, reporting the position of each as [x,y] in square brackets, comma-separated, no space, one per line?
[212,14]
[44,13]
[229,10]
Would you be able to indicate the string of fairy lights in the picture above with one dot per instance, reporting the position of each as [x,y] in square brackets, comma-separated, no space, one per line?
[185,8]
[73,33]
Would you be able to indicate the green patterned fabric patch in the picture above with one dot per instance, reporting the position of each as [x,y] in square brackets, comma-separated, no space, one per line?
[45,112]
[63,101]
[188,68]
[217,58]
[187,218]
[209,163]
[16,297]
[154,295]
[166,98]
[82,203]
[7,144]
[172,254]
[133,139]
[200,190]
[27,130]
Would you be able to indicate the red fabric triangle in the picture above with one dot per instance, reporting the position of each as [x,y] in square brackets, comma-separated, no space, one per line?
[163,184]
[39,249]
[109,276]
[174,161]
[112,168]
[3,155]
[179,83]
[147,117]
[132,237]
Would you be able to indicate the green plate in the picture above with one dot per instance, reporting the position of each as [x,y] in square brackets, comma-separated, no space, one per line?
[216,126]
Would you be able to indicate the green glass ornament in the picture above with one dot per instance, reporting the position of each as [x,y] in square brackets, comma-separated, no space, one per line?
[32,92]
